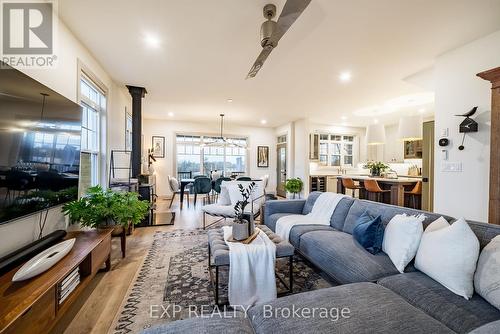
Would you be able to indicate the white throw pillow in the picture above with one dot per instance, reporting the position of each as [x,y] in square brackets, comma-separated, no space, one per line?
[234,190]
[401,239]
[448,254]
[487,277]
[224,198]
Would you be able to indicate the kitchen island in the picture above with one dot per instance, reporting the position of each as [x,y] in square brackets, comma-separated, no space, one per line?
[396,186]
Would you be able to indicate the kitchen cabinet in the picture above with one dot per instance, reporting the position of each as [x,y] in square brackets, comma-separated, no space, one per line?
[314,146]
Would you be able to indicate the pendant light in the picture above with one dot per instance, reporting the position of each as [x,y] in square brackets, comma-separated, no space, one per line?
[410,128]
[375,134]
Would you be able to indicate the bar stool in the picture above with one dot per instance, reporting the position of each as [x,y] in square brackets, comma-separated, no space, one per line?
[414,193]
[349,184]
[371,186]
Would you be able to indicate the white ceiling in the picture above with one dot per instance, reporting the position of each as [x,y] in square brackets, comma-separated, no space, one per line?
[208,46]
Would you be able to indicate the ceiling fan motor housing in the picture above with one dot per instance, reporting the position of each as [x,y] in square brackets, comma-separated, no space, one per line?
[266,30]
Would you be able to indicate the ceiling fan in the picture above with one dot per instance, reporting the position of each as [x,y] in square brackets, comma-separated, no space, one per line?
[221,140]
[272,31]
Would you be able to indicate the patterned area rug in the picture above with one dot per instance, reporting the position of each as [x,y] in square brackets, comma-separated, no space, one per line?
[174,283]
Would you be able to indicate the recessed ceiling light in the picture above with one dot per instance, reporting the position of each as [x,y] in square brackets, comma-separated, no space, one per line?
[375,121]
[152,40]
[263,121]
[343,118]
[170,114]
[229,100]
[421,110]
[345,76]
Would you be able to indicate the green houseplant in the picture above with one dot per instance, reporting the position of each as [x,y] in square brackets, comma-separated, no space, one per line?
[376,167]
[294,186]
[101,208]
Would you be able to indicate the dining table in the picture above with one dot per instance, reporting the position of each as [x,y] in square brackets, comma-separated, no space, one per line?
[396,186]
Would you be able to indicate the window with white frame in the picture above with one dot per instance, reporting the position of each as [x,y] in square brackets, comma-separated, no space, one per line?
[336,150]
[93,102]
[203,154]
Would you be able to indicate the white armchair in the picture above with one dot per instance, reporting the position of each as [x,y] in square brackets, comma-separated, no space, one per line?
[230,194]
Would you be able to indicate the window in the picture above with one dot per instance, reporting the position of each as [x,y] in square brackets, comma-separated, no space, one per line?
[336,150]
[93,102]
[202,154]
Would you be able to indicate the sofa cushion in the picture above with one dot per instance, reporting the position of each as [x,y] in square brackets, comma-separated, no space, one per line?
[340,256]
[372,309]
[491,328]
[272,219]
[385,210]
[311,199]
[206,325]
[457,313]
[339,215]
[297,231]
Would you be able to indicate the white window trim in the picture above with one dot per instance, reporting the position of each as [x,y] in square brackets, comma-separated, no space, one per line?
[203,134]
[355,149]
[85,73]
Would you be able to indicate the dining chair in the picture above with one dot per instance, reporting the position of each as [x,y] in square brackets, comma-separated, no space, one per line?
[198,176]
[348,183]
[202,186]
[372,186]
[173,183]
[414,193]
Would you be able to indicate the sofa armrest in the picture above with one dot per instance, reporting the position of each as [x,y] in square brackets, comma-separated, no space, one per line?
[293,206]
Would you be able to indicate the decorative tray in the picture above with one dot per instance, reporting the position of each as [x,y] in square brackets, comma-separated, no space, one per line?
[247,240]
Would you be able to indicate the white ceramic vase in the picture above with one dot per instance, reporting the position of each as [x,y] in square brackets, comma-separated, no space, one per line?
[44,260]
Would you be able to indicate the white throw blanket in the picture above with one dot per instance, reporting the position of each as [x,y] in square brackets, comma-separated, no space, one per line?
[320,214]
[251,270]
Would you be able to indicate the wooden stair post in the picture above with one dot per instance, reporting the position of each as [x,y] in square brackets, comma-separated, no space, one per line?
[493,76]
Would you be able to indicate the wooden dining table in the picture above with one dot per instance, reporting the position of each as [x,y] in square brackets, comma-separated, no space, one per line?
[396,186]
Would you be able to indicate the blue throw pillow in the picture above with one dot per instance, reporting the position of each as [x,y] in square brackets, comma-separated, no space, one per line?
[369,232]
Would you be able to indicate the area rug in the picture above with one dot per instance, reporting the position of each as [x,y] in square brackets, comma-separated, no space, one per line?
[174,283]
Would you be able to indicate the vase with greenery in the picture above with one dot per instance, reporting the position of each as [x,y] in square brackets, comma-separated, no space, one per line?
[376,167]
[100,208]
[243,228]
[294,186]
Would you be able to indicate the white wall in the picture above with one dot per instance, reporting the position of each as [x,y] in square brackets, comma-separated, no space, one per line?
[257,136]
[457,91]
[64,80]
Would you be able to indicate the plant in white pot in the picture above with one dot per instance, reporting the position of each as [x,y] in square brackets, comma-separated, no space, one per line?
[243,228]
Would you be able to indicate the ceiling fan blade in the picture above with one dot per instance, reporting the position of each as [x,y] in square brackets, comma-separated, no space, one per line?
[290,13]
[266,51]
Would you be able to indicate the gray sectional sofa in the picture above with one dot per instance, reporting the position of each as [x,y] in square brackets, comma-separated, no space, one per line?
[380,299]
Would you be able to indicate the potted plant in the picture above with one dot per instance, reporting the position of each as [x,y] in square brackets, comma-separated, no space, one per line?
[104,208]
[128,210]
[243,228]
[294,186]
[376,167]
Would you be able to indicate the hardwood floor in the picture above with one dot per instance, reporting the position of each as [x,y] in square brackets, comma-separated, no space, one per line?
[95,310]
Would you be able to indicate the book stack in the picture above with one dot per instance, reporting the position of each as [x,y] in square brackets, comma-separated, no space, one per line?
[68,285]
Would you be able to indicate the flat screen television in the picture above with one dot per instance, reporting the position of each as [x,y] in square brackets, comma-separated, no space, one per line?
[39,146]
